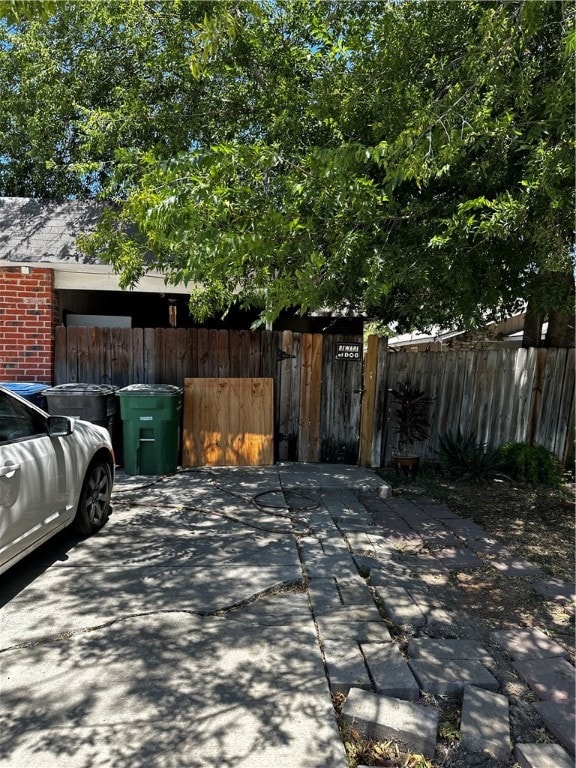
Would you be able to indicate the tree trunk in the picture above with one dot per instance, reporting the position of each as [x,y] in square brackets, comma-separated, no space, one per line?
[560,331]
[532,336]
[552,297]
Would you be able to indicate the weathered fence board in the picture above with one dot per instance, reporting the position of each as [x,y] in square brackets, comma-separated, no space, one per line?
[521,395]
[310,391]
[304,410]
[286,385]
[368,400]
[380,409]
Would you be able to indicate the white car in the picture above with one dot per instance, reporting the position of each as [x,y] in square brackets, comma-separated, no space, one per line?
[55,471]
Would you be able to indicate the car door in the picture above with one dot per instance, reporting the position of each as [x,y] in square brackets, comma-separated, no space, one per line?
[32,491]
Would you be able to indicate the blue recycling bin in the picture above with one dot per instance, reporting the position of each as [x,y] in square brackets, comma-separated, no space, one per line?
[29,390]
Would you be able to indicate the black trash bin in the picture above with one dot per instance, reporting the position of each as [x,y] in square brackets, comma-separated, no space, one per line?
[92,402]
[32,391]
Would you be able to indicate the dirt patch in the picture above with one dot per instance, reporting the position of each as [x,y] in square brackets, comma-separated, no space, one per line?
[537,525]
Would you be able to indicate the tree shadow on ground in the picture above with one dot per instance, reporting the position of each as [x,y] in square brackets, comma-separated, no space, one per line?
[113,655]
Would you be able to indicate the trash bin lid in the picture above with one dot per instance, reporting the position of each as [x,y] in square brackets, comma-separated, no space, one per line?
[150,389]
[24,388]
[81,389]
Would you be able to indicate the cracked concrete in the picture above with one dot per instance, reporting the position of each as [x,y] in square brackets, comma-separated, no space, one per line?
[207,623]
[180,635]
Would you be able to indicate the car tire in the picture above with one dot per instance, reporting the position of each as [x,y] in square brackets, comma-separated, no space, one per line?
[94,505]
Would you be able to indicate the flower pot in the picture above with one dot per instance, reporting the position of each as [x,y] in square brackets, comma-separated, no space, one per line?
[406,465]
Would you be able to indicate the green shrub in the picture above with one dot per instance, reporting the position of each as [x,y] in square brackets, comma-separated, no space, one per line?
[466,458]
[530,464]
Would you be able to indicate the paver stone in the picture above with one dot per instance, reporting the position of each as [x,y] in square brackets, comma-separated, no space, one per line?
[485,722]
[551,679]
[390,671]
[542,756]
[448,678]
[528,644]
[380,718]
[560,720]
[434,650]
[555,589]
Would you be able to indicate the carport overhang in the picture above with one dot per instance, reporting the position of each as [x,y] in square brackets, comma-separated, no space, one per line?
[95,277]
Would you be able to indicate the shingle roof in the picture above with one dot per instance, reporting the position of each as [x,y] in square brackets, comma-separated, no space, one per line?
[34,230]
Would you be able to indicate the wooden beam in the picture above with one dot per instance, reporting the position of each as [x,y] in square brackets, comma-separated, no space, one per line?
[368,401]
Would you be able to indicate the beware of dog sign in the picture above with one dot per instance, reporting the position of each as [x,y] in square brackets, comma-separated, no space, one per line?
[351,350]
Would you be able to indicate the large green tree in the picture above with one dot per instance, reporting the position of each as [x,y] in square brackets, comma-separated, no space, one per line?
[413,161]
[87,88]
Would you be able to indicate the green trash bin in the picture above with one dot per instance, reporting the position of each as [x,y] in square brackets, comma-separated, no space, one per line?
[150,416]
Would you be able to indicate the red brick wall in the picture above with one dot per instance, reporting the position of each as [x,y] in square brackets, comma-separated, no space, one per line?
[28,316]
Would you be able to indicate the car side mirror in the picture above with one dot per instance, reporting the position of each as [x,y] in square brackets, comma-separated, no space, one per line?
[60,426]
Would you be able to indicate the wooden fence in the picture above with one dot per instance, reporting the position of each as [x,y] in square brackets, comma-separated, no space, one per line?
[523,395]
[317,398]
[323,409]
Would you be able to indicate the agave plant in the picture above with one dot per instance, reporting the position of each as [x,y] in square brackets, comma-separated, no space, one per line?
[467,458]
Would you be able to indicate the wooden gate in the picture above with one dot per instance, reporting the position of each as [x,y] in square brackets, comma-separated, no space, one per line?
[317,378]
[341,398]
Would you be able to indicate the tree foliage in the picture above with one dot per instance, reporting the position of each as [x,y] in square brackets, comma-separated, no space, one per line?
[413,161]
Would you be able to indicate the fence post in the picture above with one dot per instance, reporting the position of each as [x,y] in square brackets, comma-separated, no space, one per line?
[368,401]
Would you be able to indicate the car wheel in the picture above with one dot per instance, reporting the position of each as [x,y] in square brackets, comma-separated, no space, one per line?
[94,505]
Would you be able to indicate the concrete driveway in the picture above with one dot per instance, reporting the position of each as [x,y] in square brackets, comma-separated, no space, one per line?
[180,635]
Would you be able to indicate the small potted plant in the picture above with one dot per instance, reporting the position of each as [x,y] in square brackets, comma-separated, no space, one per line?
[412,425]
